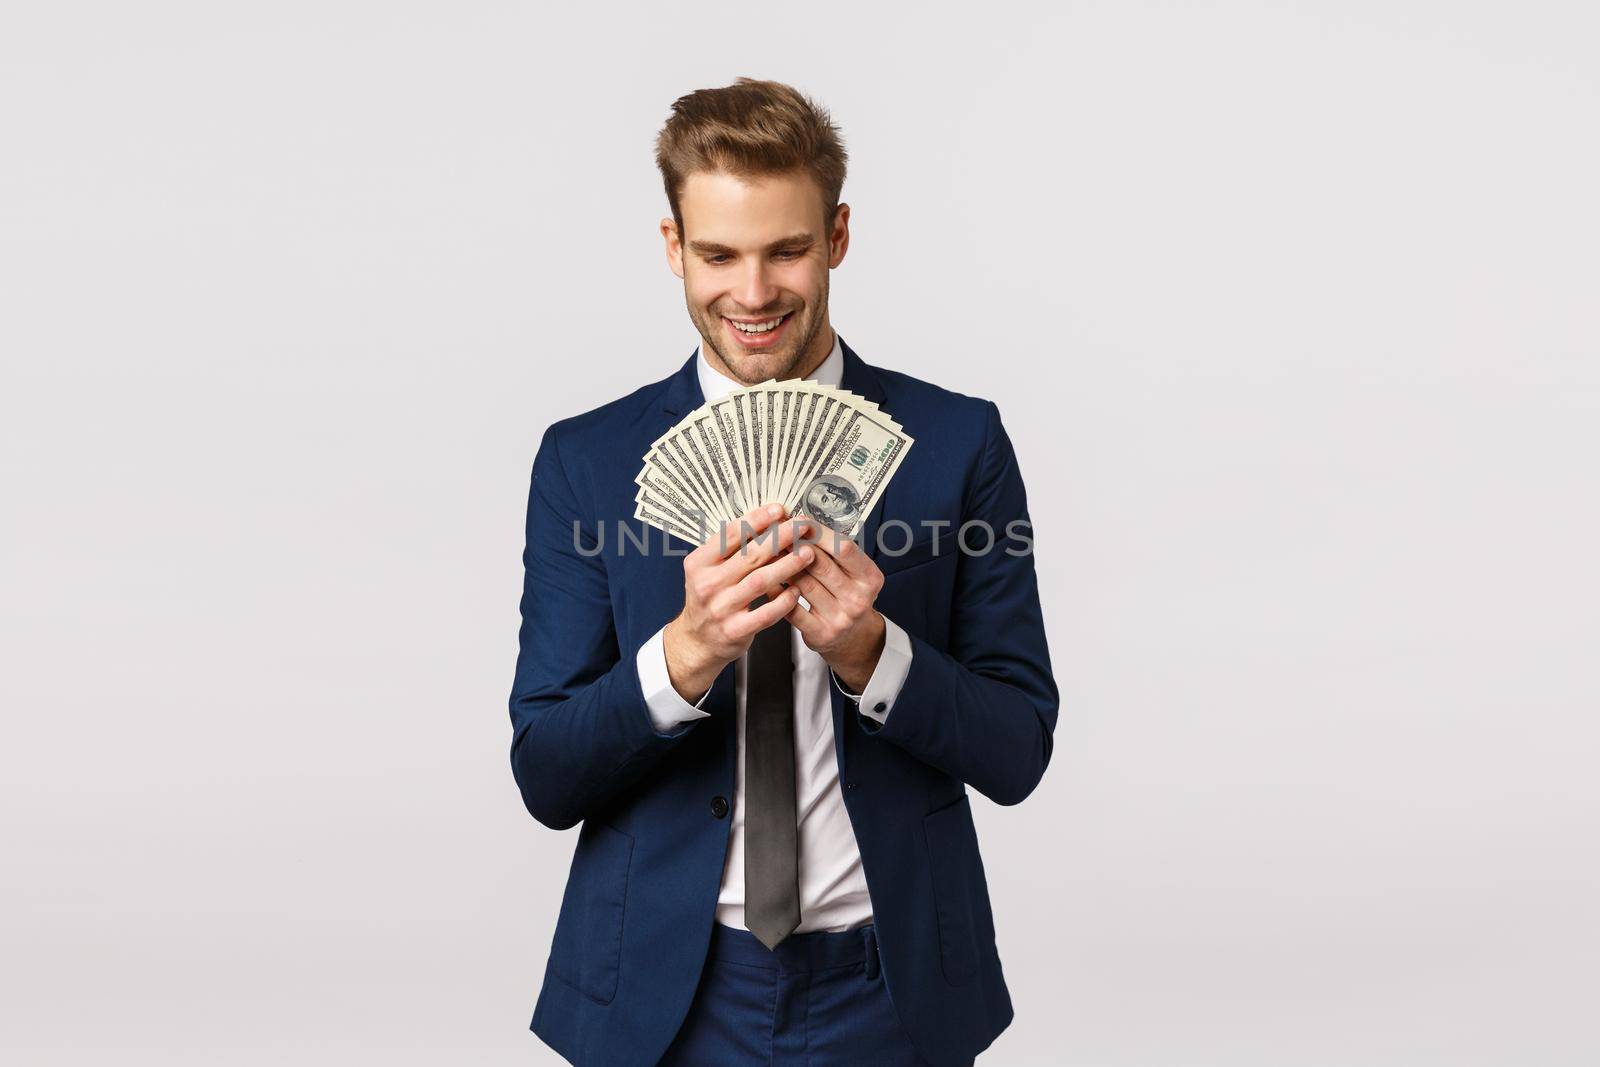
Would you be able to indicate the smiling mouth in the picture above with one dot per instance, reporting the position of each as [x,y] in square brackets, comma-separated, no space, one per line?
[757,327]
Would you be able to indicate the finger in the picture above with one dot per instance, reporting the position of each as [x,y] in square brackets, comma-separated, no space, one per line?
[759,550]
[845,552]
[731,535]
[819,595]
[826,571]
[759,618]
[769,579]
[809,625]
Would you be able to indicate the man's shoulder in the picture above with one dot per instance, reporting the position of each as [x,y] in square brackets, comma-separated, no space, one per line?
[902,385]
[934,407]
[606,421]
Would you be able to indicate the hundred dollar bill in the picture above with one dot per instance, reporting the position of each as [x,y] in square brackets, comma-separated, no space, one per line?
[726,425]
[800,425]
[678,450]
[648,506]
[828,414]
[667,525]
[843,488]
[744,408]
[744,435]
[672,454]
[771,427]
[783,405]
[668,498]
[671,482]
[704,437]
[790,403]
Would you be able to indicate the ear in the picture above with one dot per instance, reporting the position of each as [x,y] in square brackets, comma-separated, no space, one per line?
[674,242]
[839,239]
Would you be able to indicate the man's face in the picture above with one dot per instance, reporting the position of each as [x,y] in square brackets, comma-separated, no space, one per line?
[757,250]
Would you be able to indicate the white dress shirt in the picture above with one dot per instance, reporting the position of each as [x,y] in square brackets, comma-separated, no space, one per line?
[833,889]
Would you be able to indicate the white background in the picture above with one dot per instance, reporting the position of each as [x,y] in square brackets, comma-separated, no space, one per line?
[1289,308]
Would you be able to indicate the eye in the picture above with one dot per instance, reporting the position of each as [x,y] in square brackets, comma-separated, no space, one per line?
[789,254]
[718,258]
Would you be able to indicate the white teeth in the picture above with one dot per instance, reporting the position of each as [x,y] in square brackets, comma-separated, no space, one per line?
[760,328]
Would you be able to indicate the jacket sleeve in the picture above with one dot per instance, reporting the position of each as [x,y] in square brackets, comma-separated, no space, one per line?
[985,710]
[581,729]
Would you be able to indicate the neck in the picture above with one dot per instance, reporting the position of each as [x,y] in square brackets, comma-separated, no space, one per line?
[808,364]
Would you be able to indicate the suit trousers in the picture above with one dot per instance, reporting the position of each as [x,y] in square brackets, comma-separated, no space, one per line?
[817,1000]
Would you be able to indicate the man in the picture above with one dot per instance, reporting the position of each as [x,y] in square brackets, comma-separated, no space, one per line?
[777,861]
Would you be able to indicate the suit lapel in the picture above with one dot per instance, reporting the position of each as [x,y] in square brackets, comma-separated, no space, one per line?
[682,394]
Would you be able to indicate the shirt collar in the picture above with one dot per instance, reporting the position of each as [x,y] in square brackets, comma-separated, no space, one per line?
[713,386]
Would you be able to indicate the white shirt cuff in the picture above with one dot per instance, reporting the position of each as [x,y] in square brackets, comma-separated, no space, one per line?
[668,710]
[888,677]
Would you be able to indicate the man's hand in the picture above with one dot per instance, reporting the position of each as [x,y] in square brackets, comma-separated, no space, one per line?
[720,579]
[841,586]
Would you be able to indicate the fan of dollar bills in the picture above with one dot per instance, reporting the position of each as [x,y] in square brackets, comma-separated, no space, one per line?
[821,452]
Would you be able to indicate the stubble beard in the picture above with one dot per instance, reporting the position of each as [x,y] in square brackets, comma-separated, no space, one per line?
[752,368]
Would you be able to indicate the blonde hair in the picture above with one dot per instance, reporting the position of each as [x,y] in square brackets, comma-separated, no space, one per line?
[748,129]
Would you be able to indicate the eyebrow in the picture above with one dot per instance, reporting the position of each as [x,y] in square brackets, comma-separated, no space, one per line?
[712,248]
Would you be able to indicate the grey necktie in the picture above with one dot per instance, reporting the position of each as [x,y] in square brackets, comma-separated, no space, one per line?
[771,853]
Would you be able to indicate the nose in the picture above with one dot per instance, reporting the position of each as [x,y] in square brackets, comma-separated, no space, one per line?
[755,290]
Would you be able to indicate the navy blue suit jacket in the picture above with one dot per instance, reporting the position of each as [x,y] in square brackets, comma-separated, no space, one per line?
[978,708]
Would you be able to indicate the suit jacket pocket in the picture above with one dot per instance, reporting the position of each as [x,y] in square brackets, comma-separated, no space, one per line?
[892,558]
[587,949]
[952,860]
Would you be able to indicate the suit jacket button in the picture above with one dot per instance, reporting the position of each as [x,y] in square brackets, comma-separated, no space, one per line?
[719,806]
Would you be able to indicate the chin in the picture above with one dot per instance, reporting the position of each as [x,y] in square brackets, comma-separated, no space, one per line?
[753,369]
